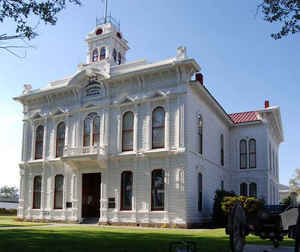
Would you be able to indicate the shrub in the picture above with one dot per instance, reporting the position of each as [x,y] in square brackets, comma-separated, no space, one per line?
[287,200]
[219,217]
[250,205]
[4,211]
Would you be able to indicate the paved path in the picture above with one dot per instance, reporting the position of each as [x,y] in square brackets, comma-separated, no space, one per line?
[259,248]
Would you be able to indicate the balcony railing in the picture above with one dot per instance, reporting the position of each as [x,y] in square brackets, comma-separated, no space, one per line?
[108,19]
[83,151]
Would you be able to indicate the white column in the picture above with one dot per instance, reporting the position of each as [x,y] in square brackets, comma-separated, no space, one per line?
[44,190]
[148,127]
[119,132]
[106,129]
[167,128]
[30,196]
[33,141]
[135,130]
[167,183]
[103,201]
[45,142]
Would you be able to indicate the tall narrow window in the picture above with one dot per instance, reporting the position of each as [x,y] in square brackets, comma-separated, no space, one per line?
[157,190]
[126,190]
[158,128]
[119,58]
[243,189]
[102,53]
[253,190]
[58,192]
[95,55]
[252,153]
[222,150]
[60,139]
[200,132]
[200,194]
[243,154]
[87,132]
[39,142]
[127,131]
[96,130]
[115,55]
[37,188]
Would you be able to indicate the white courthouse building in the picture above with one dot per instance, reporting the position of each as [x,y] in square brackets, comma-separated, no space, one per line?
[139,143]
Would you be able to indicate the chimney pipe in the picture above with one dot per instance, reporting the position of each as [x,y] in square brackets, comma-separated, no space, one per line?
[267,104]
[199,77]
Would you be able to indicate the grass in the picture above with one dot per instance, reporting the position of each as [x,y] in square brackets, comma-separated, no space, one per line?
[93,238]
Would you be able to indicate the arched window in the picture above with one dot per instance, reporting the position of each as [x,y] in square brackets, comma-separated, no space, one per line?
[158,128]
[39,142]
[126,190]
[200,132]
[222,149]
[157,190]
[243,154]
[119,58]
[252,153]
[102,53]
[115,55]
[95,55]
[243,189]
[92,121]
[127,131]
[87,132]
[58,192]
[200,194]
[96,130]
[253,190]
[60,139]
[37,188]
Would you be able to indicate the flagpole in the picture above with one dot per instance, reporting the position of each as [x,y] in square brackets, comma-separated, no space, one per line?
[105,12]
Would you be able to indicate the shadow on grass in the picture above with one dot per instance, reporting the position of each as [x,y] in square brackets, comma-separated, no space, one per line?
[75,239]
[103,239]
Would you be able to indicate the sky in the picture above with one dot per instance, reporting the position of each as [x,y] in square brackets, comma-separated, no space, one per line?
[242,65]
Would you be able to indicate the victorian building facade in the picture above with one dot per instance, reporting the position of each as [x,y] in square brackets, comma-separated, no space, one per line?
[139,143]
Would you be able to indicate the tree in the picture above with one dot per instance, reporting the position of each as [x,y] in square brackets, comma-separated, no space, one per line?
[24,13]
[8,192]
[295,182]
[286,12]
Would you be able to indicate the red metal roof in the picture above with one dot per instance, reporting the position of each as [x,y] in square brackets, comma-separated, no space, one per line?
[244,117]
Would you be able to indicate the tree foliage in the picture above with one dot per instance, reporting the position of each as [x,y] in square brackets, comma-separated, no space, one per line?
[8,192]
[286,12]
[295,182]
[250,204]
[219,219]
[25,12]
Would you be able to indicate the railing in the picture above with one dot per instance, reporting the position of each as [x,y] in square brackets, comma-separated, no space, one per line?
[108,19]
[86,150]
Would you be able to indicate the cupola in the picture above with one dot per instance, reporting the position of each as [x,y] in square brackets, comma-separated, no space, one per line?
[106,43]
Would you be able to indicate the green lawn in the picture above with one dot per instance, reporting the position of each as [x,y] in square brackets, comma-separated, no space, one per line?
[87,238]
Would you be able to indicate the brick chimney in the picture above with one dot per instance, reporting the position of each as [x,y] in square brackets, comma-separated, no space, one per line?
[267,104]
[199,77]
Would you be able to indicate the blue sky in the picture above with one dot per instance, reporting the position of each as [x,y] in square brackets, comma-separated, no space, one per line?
[242,65]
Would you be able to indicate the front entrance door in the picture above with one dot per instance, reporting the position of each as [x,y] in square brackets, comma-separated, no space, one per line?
[91,195]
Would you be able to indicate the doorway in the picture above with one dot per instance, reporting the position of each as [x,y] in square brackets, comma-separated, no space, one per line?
[91,195]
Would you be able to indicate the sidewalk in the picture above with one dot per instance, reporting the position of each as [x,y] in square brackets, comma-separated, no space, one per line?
[260,248]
